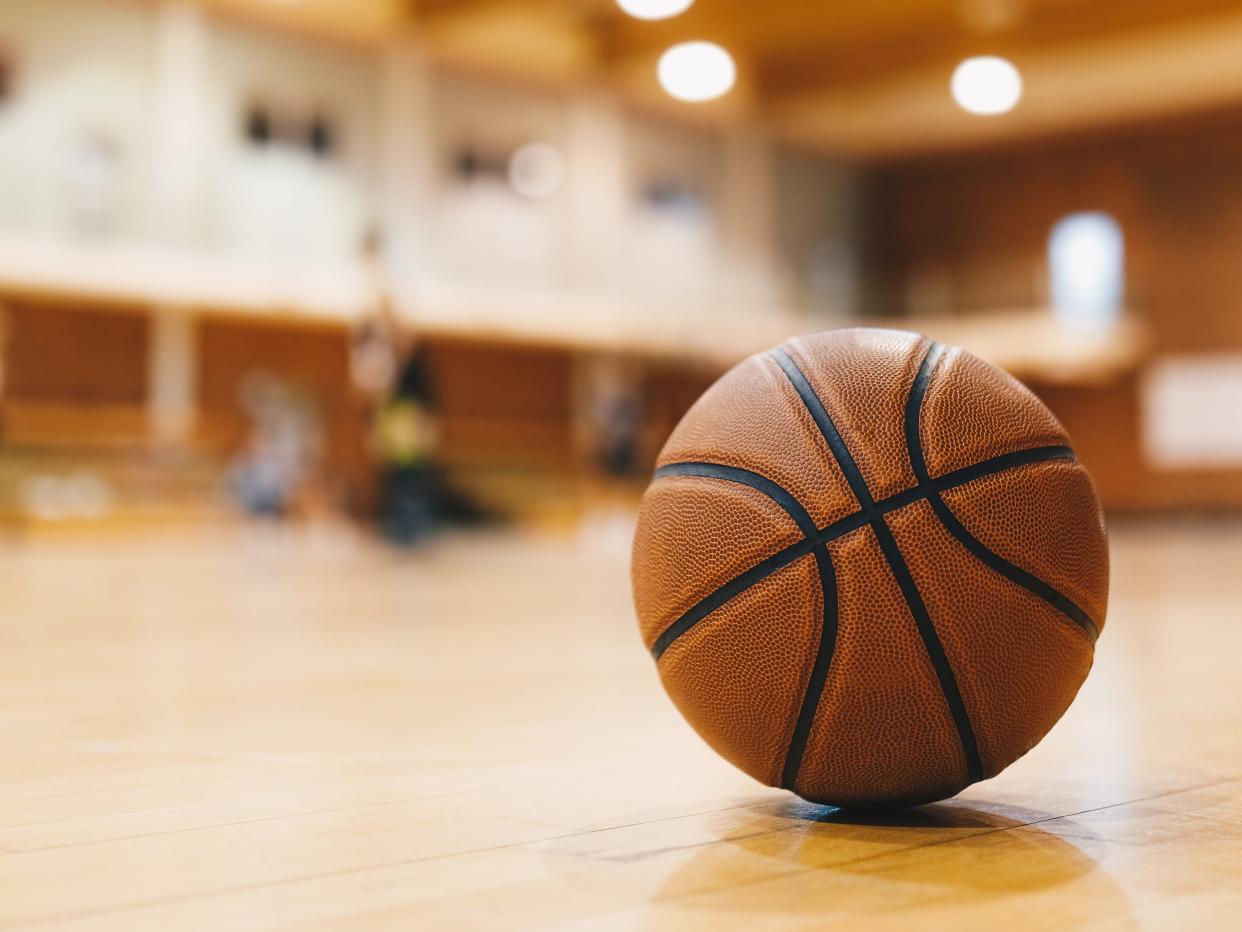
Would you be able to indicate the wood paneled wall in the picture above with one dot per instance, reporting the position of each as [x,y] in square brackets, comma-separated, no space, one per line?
[72,378]
[68,355]
[969,233]
[974,228]
[503,403]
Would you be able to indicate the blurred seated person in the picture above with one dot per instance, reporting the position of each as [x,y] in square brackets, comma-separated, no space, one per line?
[616,417]
[272,476]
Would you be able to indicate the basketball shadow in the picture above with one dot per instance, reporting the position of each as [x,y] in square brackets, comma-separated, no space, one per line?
[962,863]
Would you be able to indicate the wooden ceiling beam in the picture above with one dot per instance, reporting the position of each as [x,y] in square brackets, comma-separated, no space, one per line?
[1072,86]
[909,48]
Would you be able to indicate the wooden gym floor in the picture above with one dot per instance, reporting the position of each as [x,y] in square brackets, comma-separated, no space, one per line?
[235,729]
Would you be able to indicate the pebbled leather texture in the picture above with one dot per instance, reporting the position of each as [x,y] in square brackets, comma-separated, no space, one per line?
[907,711]
[752,418]
[882,723]
[697,535]
[1019,663]
[1009,514]
[746,709]
[868,406]
[974,410]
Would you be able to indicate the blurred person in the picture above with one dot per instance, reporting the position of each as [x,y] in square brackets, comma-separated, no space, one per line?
[392,377]
[611,413]
[406,439]
[5,327]
[388,365]
[615,412]
[276,472]
[8,484]
[375,351]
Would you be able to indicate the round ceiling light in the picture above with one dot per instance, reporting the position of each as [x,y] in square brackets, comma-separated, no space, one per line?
[654,9]
[536,170]
[986,85]
[697,71]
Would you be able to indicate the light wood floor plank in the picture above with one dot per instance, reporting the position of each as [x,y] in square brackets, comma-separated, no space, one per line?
[232,729]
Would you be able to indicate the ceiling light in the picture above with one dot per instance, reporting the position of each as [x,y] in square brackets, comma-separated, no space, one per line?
[697,71]
[654,9]
[536,170]
[986,85]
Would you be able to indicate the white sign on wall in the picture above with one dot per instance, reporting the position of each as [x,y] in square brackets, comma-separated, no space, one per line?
[1192,412]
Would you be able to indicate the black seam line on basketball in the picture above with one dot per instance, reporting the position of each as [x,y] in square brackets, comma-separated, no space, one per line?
[987,556]
[735,586]
[931,643]
[851,522]
[855,520]
[995,464]
[777,493]
[952,480]
[827,582]
[828,590]
[827,428]
[896,564]
[819,669]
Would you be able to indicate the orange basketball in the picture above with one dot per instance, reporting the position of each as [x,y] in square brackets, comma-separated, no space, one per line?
[870,568]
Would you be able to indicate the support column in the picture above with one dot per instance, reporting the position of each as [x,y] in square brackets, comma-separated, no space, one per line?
[182,49]
[747,220]
[597,193]
[407,168]
[182,88]
[172,377]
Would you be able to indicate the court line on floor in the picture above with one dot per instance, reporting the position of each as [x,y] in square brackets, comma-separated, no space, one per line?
[301,814]
[734,884]
[345,872]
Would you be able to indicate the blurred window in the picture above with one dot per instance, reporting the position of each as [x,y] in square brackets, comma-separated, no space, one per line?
[1086,256]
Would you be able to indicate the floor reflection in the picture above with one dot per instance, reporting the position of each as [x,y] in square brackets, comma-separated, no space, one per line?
[801,860]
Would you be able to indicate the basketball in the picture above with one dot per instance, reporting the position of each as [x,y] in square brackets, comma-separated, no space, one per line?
[870,568]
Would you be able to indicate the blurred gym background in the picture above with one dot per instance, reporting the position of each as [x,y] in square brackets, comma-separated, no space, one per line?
[383,266]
